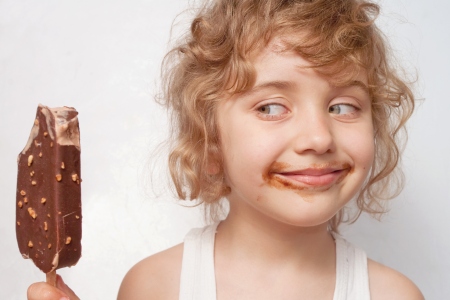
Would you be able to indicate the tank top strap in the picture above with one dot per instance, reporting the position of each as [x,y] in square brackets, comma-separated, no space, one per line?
[352,278]
[197,281]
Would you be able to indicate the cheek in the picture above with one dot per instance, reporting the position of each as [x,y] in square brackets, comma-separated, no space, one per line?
[365,152]
[247,143]
[360,145]
[246,158]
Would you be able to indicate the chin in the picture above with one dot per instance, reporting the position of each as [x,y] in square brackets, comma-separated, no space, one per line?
[305,218]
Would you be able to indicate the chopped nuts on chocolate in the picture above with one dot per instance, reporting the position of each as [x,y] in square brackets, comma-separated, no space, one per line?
[46,205]
[32,212]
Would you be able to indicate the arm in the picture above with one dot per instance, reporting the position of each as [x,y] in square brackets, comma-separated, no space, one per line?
[386,284]
[156,277]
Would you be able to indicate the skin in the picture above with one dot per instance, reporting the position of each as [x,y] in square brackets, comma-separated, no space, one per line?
[296,149]
[44,291]
[283,141]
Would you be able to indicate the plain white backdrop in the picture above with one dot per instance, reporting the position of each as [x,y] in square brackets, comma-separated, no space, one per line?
[103,58]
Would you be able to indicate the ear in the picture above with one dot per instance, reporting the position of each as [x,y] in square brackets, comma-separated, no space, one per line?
[212,168]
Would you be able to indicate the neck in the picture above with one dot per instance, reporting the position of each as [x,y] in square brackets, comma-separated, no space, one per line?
[261,238]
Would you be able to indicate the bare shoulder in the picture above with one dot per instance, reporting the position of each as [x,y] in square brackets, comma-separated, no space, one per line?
[386,283]
[155,277]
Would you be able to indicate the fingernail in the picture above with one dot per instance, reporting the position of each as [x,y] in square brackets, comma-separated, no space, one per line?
[64,298]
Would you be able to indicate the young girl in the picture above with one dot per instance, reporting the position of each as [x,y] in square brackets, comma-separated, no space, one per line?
[289,109]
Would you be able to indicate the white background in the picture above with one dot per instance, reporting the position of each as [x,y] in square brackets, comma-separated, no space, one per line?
[103,58]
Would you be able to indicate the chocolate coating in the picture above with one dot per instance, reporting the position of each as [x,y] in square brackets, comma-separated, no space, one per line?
[48,196]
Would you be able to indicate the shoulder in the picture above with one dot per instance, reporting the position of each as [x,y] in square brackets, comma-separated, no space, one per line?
[155,277]
[386,283]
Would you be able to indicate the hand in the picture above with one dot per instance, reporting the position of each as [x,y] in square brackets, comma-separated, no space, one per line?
[44,291]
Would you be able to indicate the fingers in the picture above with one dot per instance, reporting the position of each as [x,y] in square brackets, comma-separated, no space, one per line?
[44,291]
[63,287]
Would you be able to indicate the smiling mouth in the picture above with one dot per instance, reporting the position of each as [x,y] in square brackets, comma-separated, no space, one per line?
[319,177]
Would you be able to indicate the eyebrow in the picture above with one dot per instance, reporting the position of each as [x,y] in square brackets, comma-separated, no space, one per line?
[289,85]
[356,83]
[276,84]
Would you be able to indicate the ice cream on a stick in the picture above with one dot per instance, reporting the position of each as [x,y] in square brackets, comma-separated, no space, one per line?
[48,204]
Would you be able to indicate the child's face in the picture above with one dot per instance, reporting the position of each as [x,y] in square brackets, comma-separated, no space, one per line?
[296,148]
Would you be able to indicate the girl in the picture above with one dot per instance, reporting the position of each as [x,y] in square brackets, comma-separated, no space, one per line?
[289,109]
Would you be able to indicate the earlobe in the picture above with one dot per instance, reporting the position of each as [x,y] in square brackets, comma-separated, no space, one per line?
[212,168]
[213,165]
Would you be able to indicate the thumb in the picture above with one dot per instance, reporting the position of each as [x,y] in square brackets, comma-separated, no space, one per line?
[63,287]
[44,291]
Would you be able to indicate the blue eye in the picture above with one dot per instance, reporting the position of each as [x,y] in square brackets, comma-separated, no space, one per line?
[272,109]
[342,109]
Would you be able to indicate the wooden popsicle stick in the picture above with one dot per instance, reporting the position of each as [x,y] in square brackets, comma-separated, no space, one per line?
[51,278]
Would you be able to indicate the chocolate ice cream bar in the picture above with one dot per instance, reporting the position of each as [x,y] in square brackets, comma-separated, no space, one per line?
[48,204]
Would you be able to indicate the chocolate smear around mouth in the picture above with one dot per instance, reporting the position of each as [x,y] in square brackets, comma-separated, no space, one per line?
[278,182]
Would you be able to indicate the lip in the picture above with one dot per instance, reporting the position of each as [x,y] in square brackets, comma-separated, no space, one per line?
[320,177]
[314,177]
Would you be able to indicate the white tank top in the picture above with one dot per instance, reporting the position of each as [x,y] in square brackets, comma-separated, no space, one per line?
[198,277]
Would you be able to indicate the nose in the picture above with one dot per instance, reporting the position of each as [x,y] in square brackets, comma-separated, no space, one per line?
[314,133]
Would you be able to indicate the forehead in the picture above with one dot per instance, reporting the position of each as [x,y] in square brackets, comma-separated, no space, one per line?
[279,55]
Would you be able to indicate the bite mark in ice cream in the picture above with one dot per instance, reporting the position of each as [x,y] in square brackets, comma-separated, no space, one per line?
[48,210]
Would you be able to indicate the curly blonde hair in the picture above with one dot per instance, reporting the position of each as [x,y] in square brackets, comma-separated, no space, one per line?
[214,59]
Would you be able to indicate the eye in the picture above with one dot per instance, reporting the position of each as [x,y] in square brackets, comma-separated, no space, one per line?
[272,109]
[342,109]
